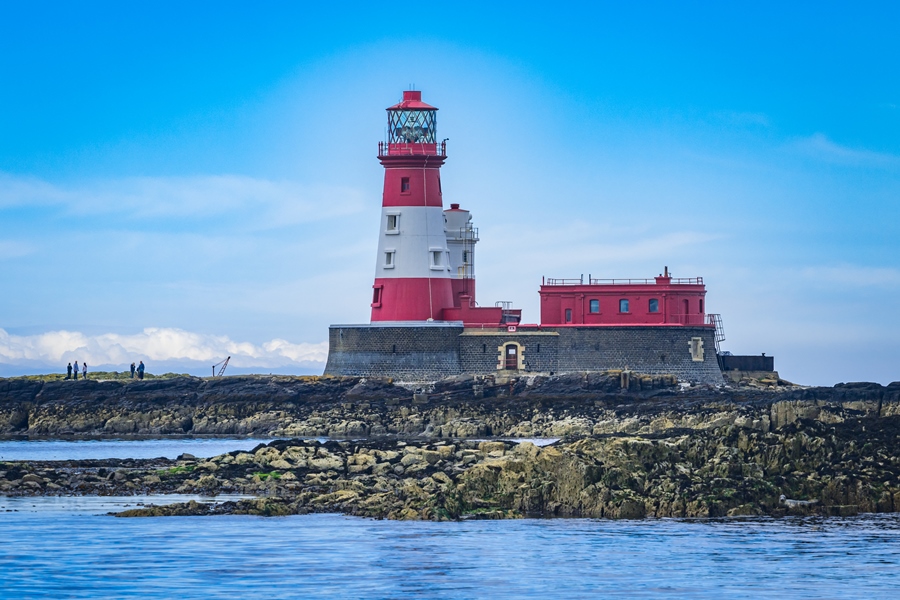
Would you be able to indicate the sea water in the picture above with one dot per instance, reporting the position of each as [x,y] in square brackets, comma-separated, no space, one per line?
[100,449]
[71,548]
[53,449]
[48,550]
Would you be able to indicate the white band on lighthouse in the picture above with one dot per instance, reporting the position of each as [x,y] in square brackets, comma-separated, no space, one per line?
[414,239]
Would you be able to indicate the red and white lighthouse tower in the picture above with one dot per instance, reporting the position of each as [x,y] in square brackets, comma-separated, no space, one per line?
[413,269]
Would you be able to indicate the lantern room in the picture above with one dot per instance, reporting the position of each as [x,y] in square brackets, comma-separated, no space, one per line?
[412,126]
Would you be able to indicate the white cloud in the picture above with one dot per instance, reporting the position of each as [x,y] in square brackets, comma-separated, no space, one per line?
[14,249]
[852,276]
[259,203]
[821,147]
[155,345]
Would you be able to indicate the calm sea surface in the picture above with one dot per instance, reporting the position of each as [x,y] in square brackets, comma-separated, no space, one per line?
[99,449]
[150,448]
[53,551]
[69,548]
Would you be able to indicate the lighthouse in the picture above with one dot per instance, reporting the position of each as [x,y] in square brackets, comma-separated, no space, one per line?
[426,323]
[413,266]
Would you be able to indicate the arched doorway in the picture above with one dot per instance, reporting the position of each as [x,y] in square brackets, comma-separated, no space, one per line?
[511,353]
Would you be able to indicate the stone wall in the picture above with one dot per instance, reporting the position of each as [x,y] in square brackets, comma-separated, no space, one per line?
[423,352]
[415,352]
[650,350]
[480,352]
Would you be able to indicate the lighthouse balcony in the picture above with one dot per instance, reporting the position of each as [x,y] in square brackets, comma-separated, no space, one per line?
[412,149]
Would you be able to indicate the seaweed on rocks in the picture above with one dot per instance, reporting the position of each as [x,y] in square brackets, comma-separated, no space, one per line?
[410,454]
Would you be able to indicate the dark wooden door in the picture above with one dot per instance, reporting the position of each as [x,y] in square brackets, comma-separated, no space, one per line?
[512,357]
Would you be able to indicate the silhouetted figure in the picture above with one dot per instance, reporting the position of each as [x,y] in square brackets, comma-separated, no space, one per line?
[132,370]
[76,370]
[140,370]
[69,371]
[84,370]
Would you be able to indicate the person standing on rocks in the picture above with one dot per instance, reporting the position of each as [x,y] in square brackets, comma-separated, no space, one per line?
[132,370]
[84,370]
[140,370]
[69,371]
[76,370]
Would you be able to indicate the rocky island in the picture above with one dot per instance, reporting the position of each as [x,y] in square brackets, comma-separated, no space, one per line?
[629,446]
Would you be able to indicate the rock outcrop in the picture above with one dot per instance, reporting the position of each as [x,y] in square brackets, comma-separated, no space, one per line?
[732,470]
[569,405]
[653,451]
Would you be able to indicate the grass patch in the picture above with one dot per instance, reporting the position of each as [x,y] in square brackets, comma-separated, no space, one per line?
[96,375]
[175,470]
[273,475]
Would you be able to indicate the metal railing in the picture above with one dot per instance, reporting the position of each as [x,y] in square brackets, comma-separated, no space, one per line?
[412,149]
[675,280]
[556,281]
[595,281]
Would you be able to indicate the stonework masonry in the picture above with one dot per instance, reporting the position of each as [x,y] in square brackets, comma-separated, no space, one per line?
[649,350]
[407,352]
[480,352]
[426,352]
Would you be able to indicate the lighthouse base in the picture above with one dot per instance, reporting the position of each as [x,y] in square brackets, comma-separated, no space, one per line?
[413,351]
[425,352]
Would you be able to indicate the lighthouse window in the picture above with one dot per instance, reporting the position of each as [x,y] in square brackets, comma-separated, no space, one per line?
[654,305]
[568,315]
[623,305]
[404,185]
[595,306]
[436,259]
[389,259]
[393,224]
[701,306]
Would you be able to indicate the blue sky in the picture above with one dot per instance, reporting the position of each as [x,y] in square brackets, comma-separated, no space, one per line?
[183,181]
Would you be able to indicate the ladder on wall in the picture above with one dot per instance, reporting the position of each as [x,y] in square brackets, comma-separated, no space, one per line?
[716,320]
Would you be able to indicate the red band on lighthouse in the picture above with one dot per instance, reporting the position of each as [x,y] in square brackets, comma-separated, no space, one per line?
[413,267]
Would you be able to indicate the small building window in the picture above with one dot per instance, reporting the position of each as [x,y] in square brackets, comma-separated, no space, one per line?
[568,315]
[654,305]
[436,259]
[376,298]
[623,305]
[484,348]
[595,306]
[404,185]
[389,259]
[701,306]
[538,348]
[393,224]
